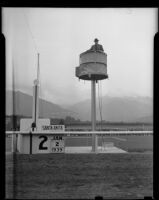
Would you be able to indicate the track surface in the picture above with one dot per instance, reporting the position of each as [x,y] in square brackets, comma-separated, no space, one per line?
[45,176]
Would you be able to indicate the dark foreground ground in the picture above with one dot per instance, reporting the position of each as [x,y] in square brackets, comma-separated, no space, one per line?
[67,176]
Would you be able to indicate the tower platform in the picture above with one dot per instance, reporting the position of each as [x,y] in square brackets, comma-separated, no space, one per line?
[93,66]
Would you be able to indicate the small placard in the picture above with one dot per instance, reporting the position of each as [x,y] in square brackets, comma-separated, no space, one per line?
[57,144]
[57,150]
[53,128]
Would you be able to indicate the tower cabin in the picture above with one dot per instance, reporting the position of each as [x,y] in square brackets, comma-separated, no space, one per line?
[92,65]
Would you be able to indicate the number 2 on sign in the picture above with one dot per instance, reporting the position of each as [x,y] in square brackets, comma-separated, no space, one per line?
[41,147]
[57,144]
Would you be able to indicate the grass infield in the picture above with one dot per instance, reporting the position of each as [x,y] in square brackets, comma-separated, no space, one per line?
[69,176]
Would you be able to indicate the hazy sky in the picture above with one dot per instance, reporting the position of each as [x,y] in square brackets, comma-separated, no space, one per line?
[61,34]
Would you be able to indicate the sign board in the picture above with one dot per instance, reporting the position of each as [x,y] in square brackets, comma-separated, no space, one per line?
[42,143]
[57,144]
[25,124]
[48,140]
[49,144]
[53,128]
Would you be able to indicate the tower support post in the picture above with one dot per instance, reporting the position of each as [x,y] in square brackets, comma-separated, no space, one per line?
[93,116]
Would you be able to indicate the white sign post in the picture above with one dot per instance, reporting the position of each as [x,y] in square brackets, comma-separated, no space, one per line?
[25,124]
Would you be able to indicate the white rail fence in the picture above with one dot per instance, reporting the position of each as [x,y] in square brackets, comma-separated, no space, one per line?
[14,134]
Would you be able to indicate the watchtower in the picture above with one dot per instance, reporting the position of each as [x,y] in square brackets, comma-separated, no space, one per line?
[93,67]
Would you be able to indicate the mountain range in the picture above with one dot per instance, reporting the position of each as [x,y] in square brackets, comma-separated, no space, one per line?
[123,109]
[23,106]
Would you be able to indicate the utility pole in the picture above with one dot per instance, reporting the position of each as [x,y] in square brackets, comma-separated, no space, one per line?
[35,111]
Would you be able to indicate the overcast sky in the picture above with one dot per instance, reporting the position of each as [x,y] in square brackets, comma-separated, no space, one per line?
[61,34]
